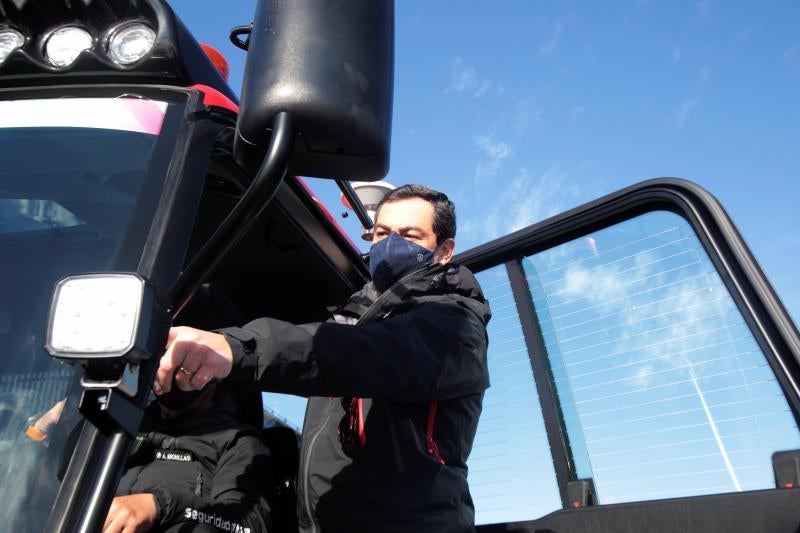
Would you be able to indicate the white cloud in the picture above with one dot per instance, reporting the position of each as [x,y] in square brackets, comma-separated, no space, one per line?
[484,87]
[526,111]
[576,113]
[680,117]
[462,76]
[493,148]
[519,202]
[549,46]
[792,55]
[494,152]
[464,79]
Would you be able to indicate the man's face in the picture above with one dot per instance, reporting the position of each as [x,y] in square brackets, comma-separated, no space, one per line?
[412,219]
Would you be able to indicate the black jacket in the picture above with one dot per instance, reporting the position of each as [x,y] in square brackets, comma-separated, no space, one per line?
[422,341]
[203,467]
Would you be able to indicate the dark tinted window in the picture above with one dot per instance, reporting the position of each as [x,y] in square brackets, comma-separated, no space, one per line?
[71,179]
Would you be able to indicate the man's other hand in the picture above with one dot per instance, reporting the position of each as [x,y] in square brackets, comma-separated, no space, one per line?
[131,514]
[194,357]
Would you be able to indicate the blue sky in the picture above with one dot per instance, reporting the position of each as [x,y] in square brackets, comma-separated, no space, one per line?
[520,110]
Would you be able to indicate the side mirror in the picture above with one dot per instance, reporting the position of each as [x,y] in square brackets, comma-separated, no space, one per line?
[330,65]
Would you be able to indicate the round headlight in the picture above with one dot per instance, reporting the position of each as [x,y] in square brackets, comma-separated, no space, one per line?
[10,40]
[65,45]
[130,43]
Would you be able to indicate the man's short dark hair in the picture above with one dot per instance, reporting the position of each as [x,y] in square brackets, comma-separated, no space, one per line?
[444,211]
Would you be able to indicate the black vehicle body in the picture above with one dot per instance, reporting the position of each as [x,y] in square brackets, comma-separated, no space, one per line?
[291,261]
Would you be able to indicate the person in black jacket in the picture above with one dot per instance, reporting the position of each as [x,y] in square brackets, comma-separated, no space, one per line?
[395,380]
[197,465]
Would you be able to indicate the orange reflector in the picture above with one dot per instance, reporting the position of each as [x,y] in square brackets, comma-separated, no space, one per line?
[35,434]
[218,59]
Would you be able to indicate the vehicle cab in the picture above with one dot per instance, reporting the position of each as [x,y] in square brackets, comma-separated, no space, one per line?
[120,175]
[645,376]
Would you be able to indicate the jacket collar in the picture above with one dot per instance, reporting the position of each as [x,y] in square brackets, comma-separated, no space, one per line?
[452,279]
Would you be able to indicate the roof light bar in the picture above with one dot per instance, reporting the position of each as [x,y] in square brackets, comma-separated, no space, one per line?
[72,42]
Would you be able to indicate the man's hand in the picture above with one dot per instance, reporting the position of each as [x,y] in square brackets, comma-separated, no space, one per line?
[194,357]
[131,514]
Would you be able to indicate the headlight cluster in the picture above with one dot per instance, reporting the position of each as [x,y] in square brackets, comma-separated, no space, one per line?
[125,44]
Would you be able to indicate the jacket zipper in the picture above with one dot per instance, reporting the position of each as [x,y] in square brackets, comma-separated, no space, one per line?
[387,292]
[313,440]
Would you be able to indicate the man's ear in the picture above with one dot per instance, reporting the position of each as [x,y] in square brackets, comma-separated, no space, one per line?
[444,252]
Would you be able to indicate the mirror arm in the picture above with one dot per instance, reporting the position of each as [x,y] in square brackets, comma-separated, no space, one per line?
[274,169]
[355,203]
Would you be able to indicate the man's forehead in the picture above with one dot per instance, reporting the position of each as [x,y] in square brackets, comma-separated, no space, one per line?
[408,212]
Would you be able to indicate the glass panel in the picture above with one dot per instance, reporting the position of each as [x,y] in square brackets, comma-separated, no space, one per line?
[511,475]
[663,387]
[71,182]
[30,215]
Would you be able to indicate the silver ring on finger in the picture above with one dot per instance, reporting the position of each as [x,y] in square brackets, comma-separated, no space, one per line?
[184,371]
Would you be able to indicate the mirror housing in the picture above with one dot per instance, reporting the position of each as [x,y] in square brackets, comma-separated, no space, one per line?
[330,65]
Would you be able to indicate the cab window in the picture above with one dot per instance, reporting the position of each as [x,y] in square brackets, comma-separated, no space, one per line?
[661,388]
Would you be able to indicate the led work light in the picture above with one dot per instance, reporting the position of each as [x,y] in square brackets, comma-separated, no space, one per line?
[10,40]
[130,42]
[110,323]
[95,315]
[65,45]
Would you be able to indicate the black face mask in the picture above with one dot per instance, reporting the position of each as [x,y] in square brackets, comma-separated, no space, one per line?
[178,400]
[393,258]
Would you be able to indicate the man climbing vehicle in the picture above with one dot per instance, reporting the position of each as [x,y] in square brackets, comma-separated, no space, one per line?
[395,380]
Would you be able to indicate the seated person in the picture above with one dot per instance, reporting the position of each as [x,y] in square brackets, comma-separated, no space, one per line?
[197,465]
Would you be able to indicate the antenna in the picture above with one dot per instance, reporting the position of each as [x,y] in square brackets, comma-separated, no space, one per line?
[370,194]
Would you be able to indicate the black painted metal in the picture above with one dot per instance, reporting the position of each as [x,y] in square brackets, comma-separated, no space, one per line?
[355,203]
[102,490]
[96,466]
[109,409]
[79,469]
[236,36]
[545,387]
[767,511]
[338,85]
[271,174]
[171,228]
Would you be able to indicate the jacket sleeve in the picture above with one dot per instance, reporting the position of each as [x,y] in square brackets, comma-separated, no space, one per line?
[435,351]
[236,502]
